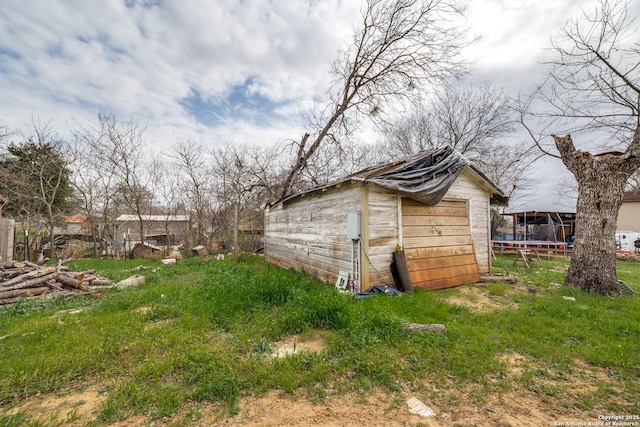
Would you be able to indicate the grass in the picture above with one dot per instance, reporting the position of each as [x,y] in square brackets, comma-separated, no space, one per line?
[199,332]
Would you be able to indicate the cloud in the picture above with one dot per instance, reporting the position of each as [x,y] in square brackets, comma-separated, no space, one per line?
[197,65]
[229,70]
[514,37]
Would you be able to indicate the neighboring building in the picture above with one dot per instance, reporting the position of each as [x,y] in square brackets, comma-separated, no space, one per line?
[504,233]
[167,228]
[75,226]
[551,226]
[628,225]
[629,215]
[434,205]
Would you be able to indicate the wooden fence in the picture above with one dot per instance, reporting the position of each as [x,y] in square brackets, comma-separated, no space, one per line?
[7,232]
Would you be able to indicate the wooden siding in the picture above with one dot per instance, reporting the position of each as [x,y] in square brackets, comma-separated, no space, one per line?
[466,188]
[310,233]
[7,230]
[383,234]
[439,255]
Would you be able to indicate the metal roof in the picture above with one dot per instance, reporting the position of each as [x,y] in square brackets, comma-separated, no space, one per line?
[153,218]
[75,219]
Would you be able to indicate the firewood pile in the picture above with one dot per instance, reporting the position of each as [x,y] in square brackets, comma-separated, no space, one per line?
[27,280]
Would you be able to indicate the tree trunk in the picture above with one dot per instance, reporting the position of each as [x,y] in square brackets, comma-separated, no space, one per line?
[601,182]
[30,283]
[27,276]
[593,262]
[236,226]
[29,292]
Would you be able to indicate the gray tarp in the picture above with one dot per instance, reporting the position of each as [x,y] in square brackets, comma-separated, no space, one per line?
[427,179]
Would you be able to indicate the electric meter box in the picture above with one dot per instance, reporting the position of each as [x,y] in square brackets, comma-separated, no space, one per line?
[353,225]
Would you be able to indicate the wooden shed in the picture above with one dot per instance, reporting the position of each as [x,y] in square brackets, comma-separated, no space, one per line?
[434,206]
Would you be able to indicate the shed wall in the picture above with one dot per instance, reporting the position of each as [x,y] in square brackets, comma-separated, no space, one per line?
[383,234]
[310,233]
[466,188]
[438,245]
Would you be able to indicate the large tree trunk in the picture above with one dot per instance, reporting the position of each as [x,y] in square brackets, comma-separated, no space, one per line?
[601,182]
[593,263]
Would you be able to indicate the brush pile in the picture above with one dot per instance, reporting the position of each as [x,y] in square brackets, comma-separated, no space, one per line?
[27,280]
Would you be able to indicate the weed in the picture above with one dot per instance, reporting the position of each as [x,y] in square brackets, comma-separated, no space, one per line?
[17,419]
[498,289]
[224,312]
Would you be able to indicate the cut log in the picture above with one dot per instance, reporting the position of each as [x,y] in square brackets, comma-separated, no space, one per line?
[100,282]
[8,265]
[492,279]
[430,327]
[68,281]
[29,292]
[30,283]
[10,274]
[25,280]
[56,286]
[27,276]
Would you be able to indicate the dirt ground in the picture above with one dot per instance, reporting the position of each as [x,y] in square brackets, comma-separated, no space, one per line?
[516,408]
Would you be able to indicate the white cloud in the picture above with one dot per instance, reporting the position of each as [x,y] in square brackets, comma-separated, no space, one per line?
[75,59]
[69,60]
[515,36]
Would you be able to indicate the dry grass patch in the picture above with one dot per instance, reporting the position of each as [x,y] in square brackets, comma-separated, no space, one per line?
[479,300]
[276,408]
[378,408]
[71,407]
[296,344]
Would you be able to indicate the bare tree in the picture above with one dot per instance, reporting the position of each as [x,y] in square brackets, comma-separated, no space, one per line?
[120,145]
[478,121]
[94,182]
[264,170]
[633,184]
[243,185]
[593,90]
[195,184]
[36,177]
[169,198]
[4,131]
[401,48]
[85,181]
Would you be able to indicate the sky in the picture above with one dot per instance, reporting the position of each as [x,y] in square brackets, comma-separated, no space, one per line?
[225,70]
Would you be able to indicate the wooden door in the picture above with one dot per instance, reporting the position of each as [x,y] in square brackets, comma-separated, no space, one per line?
[437,244]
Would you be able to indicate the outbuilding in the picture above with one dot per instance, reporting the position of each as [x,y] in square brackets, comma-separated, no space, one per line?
[433,206]
[629,214]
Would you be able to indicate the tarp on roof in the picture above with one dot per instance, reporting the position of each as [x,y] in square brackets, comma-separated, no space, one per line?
[426,179]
